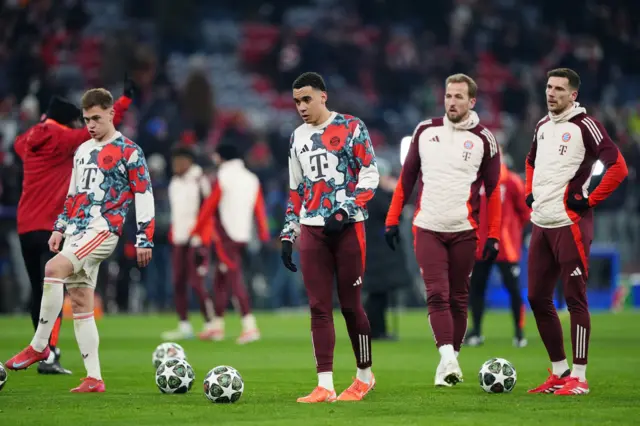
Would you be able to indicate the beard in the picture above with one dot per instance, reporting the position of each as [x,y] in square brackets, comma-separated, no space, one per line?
[455,117]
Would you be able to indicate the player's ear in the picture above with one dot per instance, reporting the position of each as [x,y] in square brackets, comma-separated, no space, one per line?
[472,102]
[323,97]
[574,95]
[112,113]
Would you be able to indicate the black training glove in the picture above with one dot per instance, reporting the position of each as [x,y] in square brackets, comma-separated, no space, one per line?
[529,200]
[131,89]
[287,251]
[392,236]
[336,222]
[578,203]
[491,248]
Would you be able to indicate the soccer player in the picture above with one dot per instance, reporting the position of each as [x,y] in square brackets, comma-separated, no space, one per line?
[332,175]
[515,215]
[47,149]
[566,144]
[235,202]
[188,189]
[453,156]
[109,173]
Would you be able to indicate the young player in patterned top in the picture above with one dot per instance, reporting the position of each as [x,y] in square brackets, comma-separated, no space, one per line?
[566,145]
[332,175]
[109,173]
[453,156]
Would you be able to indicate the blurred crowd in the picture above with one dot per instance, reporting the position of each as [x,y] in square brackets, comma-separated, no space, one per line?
[221,71]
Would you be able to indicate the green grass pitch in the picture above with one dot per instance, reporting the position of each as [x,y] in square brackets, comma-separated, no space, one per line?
[280,368]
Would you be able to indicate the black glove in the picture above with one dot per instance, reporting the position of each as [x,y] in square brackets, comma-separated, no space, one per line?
[131,89]
[578,203]
[392,236]
[336,222]
[287,250]
[491,248]
[529,200]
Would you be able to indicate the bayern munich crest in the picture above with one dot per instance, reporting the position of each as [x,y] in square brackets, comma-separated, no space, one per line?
[468,144]
[566,137]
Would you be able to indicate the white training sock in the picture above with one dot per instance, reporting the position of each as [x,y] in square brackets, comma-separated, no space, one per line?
[579,371]
[364,375]
[457,353]
[325,380]
[50,307]
[217,323]
[447,353]
[185,327]
[559,367]
[249,323]
[88,342]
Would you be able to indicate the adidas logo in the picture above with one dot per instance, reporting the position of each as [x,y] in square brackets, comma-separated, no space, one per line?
[304,149]
[84,356]
[358,282]
[576,273]
[434,139]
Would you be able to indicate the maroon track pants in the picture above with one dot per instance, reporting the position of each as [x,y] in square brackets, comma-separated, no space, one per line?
[325,260]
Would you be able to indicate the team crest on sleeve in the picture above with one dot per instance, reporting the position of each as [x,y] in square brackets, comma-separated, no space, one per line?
[566,137]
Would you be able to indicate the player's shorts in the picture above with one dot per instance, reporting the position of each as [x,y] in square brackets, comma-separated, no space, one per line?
[86,251]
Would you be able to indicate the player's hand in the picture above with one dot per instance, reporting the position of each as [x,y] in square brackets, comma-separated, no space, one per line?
[336,222]
[131,88]
[529,200]
[287,251]
[491,249]
[392,236]
[578,203]
[54,242]
[144,256]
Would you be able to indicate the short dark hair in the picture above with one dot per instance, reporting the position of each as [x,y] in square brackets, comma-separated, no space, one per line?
[312,79]
[228,151]
[97,97]
[183,151]
[472,86]
[569,74]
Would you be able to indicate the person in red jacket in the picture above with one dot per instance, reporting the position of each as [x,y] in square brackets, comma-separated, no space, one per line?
[515,215]
[46,151]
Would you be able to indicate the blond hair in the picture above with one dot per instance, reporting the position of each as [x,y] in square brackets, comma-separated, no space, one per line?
[97,97]
[463,78]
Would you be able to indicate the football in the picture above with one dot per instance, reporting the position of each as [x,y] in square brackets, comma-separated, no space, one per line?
[165,351]
[497,376]
[223,384]
[174,376]
[3,376]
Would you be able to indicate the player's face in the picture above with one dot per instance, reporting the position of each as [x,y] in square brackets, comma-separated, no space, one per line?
[310,103]
[560,95]
[457,102]
[180,165]
[99,121]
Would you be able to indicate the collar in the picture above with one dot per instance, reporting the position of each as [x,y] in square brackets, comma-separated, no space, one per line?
[472,121]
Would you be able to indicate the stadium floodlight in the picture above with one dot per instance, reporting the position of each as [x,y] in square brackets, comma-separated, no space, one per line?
[404,148]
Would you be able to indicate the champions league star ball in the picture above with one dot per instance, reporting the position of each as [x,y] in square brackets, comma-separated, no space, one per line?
[497,376]
[3,376]
[166,351]
[223,384]
[175,376]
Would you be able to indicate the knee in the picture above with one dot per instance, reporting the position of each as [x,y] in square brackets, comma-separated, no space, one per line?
[56,269]
[537,301]
[80,302]
[437,301]
[321,312]
[576,303]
